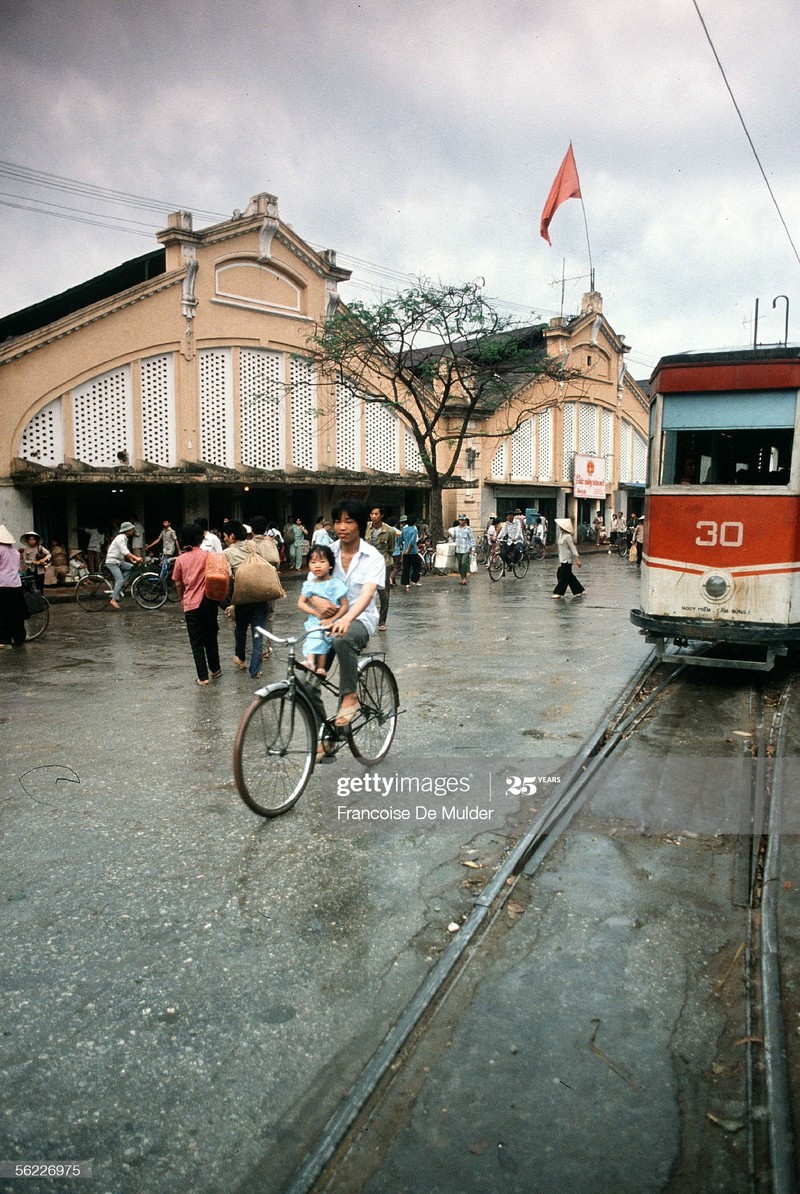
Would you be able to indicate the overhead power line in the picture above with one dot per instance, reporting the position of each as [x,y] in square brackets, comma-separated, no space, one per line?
[746,131]
[370,277]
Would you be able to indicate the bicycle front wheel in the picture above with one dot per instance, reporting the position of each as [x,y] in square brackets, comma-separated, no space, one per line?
[372,731]
[521,567]
[149,590]
[93,592]
[496,567]
[274,752]
[36,624]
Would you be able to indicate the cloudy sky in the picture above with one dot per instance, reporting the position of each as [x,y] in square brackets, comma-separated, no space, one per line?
[421,137]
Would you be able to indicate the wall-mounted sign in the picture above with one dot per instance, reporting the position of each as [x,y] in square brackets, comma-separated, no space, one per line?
[589,477]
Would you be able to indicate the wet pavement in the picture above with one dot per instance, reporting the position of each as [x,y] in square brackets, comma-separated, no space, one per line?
[191,989]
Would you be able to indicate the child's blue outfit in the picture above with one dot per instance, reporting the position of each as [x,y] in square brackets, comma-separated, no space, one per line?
[334,590]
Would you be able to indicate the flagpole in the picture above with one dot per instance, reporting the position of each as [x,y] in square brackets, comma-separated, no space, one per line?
[588,245]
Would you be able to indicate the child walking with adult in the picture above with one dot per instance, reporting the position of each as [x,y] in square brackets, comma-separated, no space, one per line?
[200,613]
[320,584]
[567,556]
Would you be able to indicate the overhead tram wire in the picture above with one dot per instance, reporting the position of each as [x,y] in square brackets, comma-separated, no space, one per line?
[746,131]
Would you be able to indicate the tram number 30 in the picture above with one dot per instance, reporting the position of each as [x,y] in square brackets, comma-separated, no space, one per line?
[726,534]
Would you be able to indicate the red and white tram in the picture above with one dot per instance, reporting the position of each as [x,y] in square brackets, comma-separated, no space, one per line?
[721,552]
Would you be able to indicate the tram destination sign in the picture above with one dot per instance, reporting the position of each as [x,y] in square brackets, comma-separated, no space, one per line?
[589,476]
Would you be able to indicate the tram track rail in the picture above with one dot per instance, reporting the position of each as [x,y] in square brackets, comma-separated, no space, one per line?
[635,704]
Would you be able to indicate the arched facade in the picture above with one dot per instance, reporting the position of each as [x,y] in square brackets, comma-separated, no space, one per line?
[524,454]
[182,384]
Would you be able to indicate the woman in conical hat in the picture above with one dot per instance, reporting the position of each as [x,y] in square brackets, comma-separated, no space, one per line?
[567,556]
[12,603]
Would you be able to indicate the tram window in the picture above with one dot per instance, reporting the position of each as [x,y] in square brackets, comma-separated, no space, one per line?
[736,457]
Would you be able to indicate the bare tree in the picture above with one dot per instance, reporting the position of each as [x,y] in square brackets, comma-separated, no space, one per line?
[444,359]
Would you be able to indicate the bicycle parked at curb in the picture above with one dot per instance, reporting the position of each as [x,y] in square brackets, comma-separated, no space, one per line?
[37,619]
[93,592]
[277,742]
[498,563]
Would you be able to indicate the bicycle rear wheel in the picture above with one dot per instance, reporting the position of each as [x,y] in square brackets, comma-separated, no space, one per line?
[537,550]
[36,624]
[496,567]
[521,567]
[372,732]
[93,592]
[274,752]
[149,590]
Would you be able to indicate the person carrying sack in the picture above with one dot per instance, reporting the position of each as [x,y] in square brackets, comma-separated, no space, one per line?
[256,586]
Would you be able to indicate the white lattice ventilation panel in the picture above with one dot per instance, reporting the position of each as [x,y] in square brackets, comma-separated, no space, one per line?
[216,407]
[545,445]
[158,410]
[262,407]
[587,429]
[625,452]
[380,436]
[639,459]
[498,470]
[569,440]
[522,450]
[348,427]
[43,439]
[413,459]
[102,418]
[302,383]
[606,433]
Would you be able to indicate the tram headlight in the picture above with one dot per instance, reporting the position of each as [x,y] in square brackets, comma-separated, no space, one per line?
[716,586]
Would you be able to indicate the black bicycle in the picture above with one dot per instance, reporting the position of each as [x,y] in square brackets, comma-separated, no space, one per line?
[503,558]
[37,618]
[277,742]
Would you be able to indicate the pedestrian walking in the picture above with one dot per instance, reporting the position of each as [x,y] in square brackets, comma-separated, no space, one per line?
[383,538]
[94,548]
[461,533]
[409,552]
[13,610]
[199,612]
[295,537]
[638,541]
[210,541]
[170,544]
[567,556]
[35,557]
[252,614]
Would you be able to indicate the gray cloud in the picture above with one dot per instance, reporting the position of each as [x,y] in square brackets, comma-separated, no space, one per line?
[425,138]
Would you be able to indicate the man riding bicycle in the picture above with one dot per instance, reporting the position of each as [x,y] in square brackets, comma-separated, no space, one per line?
[511,539]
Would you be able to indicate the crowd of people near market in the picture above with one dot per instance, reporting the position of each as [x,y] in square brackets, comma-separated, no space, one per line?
[352,561]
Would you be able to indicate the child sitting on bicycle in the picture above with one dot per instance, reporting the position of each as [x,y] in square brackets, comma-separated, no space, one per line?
[321,584]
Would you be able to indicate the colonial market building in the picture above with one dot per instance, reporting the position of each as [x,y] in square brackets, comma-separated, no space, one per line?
[182,383]
[578,448]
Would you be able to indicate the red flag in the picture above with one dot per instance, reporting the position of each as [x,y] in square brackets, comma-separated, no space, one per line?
[566,186]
